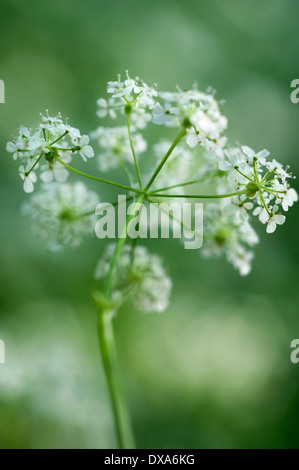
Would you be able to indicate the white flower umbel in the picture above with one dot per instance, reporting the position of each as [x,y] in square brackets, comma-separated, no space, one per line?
[141,275]
[264,183]
[40,150]
[62,214]
[227,234]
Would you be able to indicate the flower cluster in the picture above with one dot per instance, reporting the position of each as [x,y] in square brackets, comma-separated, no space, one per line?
[140,275]
[39,151]
[246,183]
[62,214]
[264,181]
[228,232]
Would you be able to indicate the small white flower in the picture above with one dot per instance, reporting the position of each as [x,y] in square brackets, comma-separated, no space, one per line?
[271,220]
[260,156]
[165,115]
[11,147]
[73,132]
[23,131]
[192,137]
[289,199]
[278,169]
[118,89]
[29,179]
[86,151]
[105,108]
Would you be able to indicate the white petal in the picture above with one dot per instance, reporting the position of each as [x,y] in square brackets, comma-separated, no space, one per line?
[192,140]
[293,194]
[159,119]
[102,103]
[101,113]
[271,227]
[263,153]
[279,219]
[225,166]
[33,177]
[248,151]
[28,186]
[158,109]
[285,205]
[10,147]
[88,151]
[257,211]
[84,140]
[264,216]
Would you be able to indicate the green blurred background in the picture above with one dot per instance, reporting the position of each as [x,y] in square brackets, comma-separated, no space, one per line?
[214,370]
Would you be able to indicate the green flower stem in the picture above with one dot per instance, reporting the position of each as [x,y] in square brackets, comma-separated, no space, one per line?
[107,344]
[128,188]
[119,246]
[164,159]
[247,177]
[54,141]
[187,183]
[34,165]
[133,151]
[267,175]
[263,202]
[199,196]
[274,191]
[109,358]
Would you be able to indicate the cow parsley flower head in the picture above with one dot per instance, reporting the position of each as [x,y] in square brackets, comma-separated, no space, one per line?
[265,184]
[39,150]
[199,112]
[62,214]
[129,96]
[140,275]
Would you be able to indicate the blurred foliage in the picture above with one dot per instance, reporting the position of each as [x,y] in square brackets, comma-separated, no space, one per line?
[214,370]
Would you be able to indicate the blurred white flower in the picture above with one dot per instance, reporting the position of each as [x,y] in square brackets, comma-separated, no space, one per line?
[227,233]
[141,275]
[166,114]
[105,108]
[62,213]
[86,151]
[29,179]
